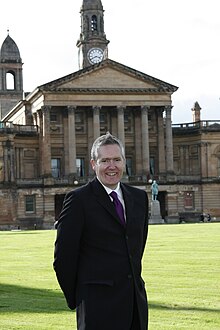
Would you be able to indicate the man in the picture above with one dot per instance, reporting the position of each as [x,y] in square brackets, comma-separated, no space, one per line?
[97,254]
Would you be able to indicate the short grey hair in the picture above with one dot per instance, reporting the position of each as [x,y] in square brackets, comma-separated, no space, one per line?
[104,140]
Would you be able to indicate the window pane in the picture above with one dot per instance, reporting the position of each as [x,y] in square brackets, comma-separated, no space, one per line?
[152,166]
[29,203]
[55,167]
[80,167]
[129,166]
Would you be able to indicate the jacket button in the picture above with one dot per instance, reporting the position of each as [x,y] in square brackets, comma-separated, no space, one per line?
[129,276]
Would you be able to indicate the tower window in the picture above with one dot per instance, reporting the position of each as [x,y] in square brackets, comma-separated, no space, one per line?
[94,23]
[10,80]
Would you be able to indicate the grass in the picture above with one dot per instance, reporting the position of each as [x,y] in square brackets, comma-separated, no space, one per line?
[182,271]
[181,268]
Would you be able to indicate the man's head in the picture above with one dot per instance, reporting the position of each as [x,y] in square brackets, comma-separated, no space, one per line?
[108,159]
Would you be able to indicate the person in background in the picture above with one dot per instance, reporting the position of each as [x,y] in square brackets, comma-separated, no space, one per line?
[101,236]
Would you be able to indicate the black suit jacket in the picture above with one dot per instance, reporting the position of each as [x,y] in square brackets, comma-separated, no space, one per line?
[98,261]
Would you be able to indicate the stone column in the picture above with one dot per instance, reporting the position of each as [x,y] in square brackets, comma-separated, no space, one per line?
[28,115]
[182,160]
[46,144]
[2,161]
[71,141]
[6,157]
[145,141]
[39,122]
[8,166]
[96,122]
[12,162]
[169,140]
[161,143]
[121,126]
[204,159]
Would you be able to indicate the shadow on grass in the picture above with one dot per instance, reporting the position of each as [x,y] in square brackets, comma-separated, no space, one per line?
[176,307]
[15,299]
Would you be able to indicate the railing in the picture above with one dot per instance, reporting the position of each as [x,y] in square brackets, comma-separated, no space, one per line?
[9,127]
[50,181]
[136,180]
[38,181]
[202,124]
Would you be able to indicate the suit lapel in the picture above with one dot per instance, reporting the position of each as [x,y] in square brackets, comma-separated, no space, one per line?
[103,198]
[128,200]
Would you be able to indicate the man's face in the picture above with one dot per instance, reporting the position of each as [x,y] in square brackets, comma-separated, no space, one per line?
[109,165]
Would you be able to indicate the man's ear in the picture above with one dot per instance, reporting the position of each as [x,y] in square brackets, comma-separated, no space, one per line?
[93,164]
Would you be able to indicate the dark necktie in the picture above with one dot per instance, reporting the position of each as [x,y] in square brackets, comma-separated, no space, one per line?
[118,206]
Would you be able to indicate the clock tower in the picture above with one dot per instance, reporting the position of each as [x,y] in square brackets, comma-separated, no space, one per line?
[92,42]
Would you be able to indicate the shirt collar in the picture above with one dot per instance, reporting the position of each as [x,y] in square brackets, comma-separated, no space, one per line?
[109,190]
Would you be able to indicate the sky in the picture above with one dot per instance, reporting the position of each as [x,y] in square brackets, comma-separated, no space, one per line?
[176,41]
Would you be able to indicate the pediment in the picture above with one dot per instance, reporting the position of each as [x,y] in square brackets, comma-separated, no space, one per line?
[108,75]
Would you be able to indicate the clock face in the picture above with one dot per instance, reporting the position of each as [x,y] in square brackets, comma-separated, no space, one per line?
[95,55]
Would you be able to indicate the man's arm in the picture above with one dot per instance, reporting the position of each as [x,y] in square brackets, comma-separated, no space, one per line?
[67,246]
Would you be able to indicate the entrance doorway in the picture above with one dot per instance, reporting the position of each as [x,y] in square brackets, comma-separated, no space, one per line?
[162,198]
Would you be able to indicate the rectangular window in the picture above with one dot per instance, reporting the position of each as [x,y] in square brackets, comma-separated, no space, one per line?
[53,117]
[56,167]
[103,117]
[79,122]
[79,118]
[30,204]
[188,200]
[129,166]
[80,167]
[152,166]
[128,121]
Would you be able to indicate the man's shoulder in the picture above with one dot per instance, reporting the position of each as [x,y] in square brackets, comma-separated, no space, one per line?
[84,189]
[132,189]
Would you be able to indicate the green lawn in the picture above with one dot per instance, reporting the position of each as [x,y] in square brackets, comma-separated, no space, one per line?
[181,268]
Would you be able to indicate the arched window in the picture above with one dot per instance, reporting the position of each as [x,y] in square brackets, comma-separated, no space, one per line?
[10,80]
[94,23]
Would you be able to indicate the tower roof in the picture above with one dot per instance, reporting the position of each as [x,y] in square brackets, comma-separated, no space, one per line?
[9,51]
[92,4]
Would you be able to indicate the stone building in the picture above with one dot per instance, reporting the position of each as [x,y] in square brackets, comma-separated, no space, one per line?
[45,139]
